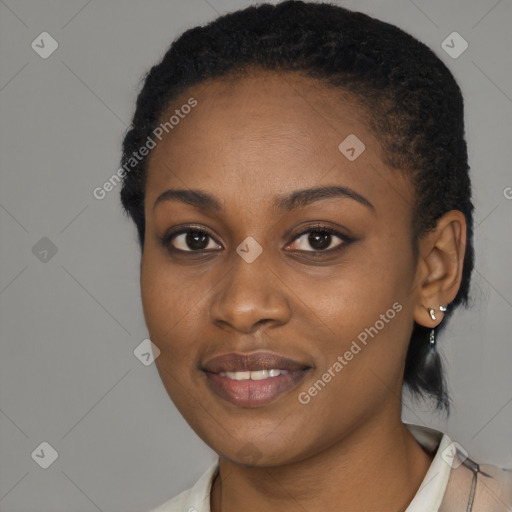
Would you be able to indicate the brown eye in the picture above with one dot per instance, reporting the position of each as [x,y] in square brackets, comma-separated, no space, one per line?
[321,238]
[190,240]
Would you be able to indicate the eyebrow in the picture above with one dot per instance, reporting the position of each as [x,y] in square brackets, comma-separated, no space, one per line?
[288,202]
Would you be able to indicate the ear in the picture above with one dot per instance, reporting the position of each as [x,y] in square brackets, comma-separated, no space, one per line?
[439,270]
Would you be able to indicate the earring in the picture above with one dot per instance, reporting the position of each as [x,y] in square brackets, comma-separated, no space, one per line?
[432,339]
[432,313]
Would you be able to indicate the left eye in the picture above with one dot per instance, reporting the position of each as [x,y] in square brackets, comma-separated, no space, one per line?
[320,239]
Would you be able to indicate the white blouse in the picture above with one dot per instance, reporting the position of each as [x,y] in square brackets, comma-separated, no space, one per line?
[428,498]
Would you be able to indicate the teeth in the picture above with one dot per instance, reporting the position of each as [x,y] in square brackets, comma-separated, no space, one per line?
[259,375]
[237,375]
[255,375]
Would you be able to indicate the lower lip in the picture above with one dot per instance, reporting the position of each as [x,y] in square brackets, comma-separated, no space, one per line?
[253,393]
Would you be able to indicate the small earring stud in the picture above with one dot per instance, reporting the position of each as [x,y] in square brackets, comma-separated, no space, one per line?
[442,308]
[432,313]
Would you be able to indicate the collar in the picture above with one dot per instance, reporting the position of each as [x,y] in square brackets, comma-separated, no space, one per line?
[431,491]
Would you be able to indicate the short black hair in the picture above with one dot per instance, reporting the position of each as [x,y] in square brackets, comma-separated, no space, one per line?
[411,102]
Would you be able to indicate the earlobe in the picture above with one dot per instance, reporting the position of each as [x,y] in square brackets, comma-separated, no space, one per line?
[440,262]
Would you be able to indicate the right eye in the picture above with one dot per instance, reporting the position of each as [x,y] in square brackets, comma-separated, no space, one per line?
[189,240]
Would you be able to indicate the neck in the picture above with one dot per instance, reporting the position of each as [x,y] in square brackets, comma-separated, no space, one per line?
[379,466]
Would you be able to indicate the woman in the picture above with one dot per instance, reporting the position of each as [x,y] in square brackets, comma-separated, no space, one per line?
[299,181]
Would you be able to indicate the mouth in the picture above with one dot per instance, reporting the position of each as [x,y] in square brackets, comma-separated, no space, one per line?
[253,380]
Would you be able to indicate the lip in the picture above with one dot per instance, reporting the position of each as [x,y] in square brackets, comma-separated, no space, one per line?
[253,393]
[254,361]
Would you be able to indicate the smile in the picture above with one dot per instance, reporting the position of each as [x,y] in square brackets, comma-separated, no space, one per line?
[249,392]
[254,375]
[254,379]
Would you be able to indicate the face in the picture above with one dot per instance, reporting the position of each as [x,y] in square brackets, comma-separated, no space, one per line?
[244,273]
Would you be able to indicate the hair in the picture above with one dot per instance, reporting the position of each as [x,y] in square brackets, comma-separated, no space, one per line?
[410,101]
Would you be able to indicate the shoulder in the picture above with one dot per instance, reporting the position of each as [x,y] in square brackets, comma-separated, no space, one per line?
[195,499]
[478,488]
[494,489]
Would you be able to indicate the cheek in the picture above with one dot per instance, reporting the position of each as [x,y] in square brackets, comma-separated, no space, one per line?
[166,306]
[366,305]
[175,307]
[366,285]
[157,301]
[168,313]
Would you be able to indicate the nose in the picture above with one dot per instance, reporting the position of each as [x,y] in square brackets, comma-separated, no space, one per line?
[250,295]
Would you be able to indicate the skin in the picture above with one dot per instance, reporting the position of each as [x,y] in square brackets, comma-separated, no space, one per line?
[248,141]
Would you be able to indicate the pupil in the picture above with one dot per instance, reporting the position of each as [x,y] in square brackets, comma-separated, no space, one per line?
[318,240]
[196,240]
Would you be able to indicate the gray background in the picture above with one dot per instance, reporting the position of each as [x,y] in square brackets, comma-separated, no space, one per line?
[70,323]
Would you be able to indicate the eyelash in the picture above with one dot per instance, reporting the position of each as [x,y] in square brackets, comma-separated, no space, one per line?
[167,238]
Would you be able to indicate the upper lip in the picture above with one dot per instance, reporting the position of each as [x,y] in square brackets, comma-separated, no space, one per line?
[234,362]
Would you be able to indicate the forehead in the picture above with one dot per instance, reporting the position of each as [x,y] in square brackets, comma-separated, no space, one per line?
[262,133]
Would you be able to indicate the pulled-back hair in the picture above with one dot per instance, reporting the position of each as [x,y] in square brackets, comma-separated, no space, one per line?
[408,98]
